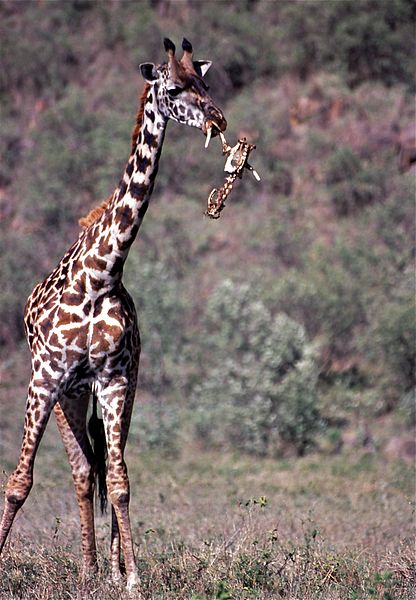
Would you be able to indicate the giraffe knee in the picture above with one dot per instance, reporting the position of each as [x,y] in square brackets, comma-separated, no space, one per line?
[17,490]
[119,492]
[84,485]
[119,497]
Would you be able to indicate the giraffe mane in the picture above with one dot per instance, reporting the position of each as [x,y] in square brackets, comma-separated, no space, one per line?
[139,116]
[97,211]
[94,213]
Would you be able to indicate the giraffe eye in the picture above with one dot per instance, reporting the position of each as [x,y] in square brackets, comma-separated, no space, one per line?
[175,91]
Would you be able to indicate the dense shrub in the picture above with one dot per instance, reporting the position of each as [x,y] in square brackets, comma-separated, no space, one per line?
[60,160]
[258,385]
[245,50]
[327,297]
[394,337]
[156,425]
[361,40]
[352,183]
[156,291]
[17,268]
[407,407]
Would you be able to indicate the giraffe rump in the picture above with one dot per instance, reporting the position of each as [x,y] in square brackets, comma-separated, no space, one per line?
[99,447]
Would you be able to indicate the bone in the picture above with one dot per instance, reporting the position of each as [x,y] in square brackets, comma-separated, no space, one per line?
[236,162]
[254,172]
[208,139]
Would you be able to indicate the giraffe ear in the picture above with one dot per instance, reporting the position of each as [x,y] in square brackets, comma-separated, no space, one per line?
[201,66]
[149,72]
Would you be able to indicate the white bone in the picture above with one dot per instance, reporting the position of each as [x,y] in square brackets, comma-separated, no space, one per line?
[209,131]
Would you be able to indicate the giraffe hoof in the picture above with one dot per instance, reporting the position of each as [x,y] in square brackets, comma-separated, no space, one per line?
[116,576]
[132,587]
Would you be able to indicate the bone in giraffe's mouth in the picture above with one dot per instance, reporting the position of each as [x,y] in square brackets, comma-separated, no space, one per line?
[209,131]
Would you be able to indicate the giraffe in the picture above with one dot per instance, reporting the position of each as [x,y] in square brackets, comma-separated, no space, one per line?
[81,324]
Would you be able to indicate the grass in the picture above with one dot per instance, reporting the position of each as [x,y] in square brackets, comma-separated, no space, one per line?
[211,525]
[217,526]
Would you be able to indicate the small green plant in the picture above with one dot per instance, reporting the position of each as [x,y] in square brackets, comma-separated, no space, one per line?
[255,571]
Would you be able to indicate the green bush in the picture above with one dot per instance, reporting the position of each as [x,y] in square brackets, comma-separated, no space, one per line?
[257,391]
[20,269]
[156,291]
[156,425]
[407,407]
[11,146]
[327,297]
[361,40]
[38,49]
[60,161]
[352,183]
[395,336]
[343,165]
[245,50]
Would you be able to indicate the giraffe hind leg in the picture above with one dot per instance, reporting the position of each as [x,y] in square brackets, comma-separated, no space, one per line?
[71,416]
[117,404]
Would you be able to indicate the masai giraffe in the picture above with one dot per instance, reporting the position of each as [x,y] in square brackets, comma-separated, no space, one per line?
[81,323]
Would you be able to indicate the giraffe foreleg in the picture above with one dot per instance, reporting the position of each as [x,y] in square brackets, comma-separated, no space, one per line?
[71,413]
[115,548]
[41,397]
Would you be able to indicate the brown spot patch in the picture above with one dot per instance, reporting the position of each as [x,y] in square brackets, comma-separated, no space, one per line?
[96,284]
[54,340]
[71,299]
[105,246]
[73,356]
[104,335]
[66,318]
[123,217]
[79,286]
[142,162]
[45,326]
[77,336]
[93,262]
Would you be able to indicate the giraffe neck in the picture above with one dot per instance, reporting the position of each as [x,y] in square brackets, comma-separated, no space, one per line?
[108,240]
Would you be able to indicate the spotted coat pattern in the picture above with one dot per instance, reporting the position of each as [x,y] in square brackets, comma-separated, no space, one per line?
[81,323]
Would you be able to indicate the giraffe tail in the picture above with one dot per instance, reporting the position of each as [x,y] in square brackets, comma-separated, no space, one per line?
[99,447]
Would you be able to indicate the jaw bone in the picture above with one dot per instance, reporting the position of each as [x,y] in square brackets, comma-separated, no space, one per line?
[208,138]
[209,132]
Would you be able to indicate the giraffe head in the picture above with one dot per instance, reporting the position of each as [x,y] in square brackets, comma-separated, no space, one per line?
[181,93]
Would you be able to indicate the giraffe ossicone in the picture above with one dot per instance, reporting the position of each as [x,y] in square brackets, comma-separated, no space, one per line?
[81,323]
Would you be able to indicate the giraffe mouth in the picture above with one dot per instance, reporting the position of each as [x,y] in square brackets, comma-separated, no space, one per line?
[212,129]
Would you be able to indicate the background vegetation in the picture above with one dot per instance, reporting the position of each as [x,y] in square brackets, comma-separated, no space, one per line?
[284,329]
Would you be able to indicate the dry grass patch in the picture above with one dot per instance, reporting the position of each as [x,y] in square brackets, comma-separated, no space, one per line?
[214,526]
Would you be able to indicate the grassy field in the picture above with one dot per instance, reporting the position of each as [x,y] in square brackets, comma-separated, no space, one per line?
[324,243]
[209,525]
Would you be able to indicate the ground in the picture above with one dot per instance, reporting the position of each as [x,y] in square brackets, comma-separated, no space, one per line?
[214,525]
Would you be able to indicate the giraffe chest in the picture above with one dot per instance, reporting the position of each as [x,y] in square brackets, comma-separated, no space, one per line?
[84,339]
